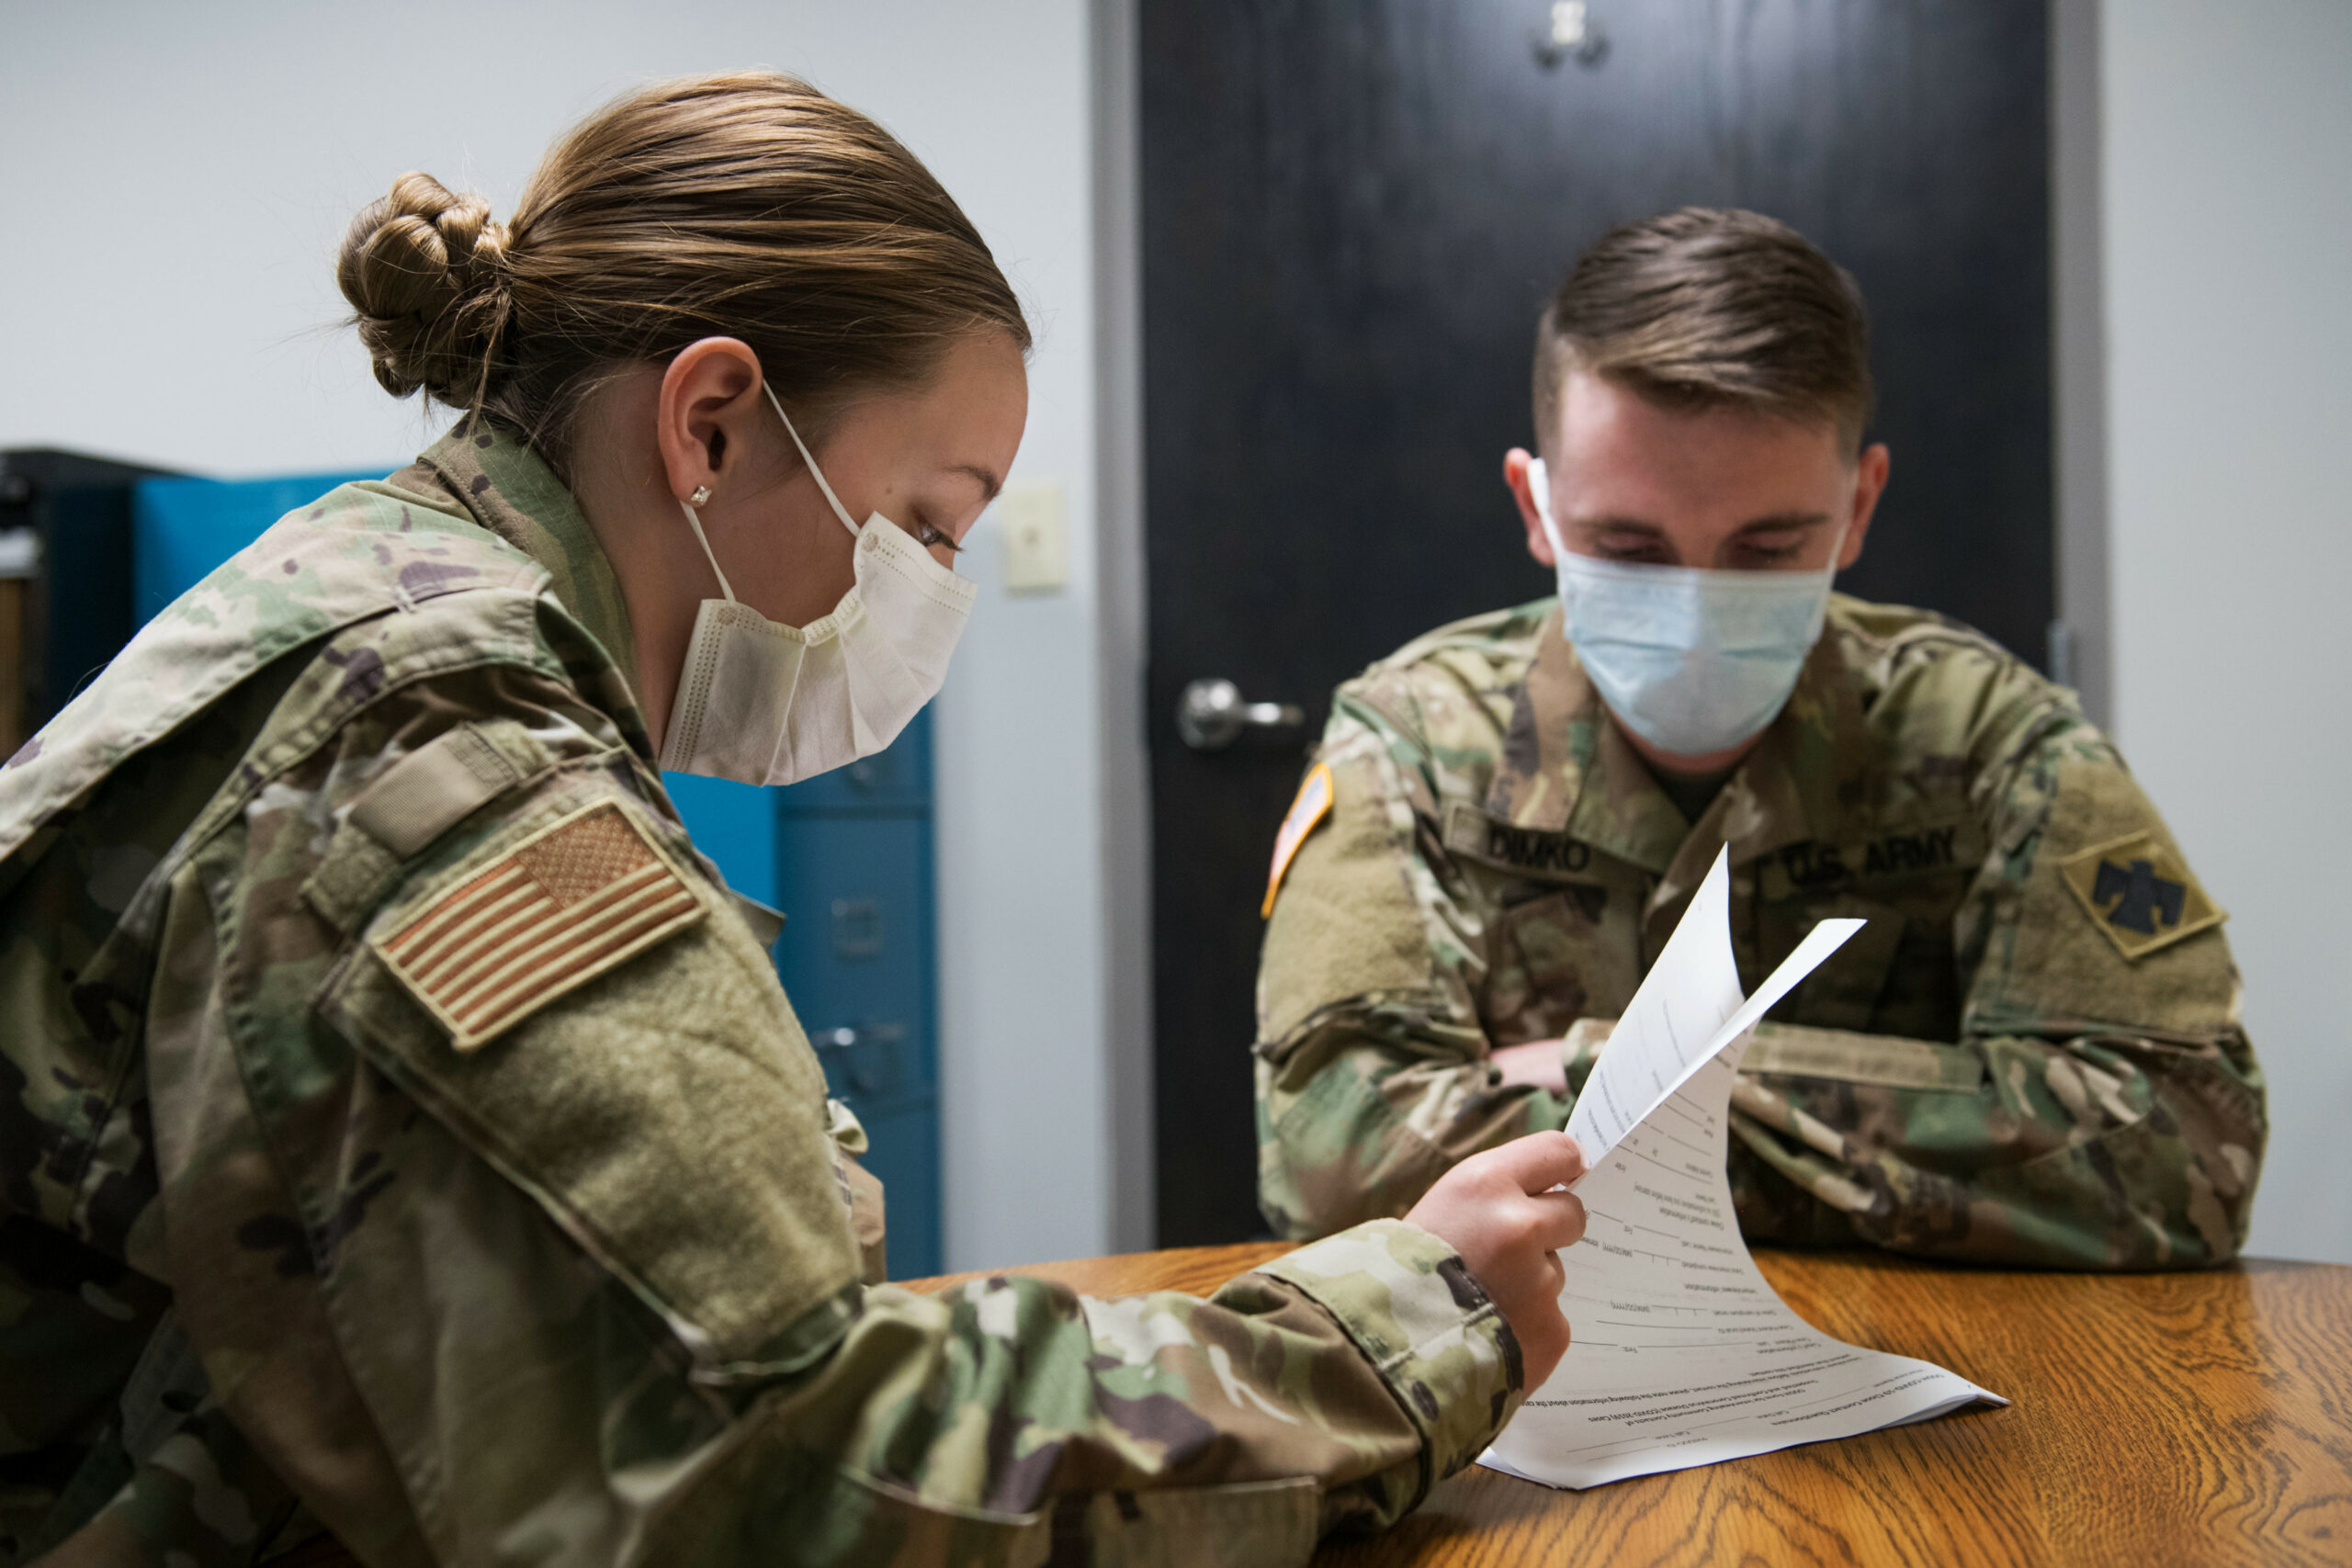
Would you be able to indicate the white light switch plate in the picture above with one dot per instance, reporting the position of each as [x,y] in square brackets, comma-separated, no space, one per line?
[1036,542]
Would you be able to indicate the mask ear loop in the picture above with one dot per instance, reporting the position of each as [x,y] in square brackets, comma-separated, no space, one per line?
[806,457]
[694,521]
[1538,485]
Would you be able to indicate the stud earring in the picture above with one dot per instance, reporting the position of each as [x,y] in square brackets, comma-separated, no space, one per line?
[701,496]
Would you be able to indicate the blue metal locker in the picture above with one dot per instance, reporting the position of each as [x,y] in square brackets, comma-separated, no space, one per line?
[182,528]
[859,955]
[847,857]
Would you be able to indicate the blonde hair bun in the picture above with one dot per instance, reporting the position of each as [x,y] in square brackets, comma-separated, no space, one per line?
[745,205]
[423,267]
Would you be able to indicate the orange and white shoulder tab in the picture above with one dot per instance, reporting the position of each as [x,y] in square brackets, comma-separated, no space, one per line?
[1313,805]
[573,900]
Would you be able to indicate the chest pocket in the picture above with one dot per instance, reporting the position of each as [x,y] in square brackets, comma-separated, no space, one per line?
[1844,993]
[1567,954]
[1899,974]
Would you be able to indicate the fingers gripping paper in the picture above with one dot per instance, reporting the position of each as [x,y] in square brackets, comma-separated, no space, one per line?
[1683,1353]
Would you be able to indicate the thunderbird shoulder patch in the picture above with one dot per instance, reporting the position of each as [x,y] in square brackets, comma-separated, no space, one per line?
[1314,803]
[2137,892]
[581,896]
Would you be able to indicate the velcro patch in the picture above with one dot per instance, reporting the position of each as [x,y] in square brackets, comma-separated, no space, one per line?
[1531,851]
[1314,803]
[431,790]
[2138,892]
[578,898]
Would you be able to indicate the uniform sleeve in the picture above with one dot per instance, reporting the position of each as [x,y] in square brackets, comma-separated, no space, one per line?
[170,1483]
[868,1211]
[1372,1077]
[2103,1108]
[528,1252]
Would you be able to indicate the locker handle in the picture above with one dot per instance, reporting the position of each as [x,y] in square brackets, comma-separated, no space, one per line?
[847,1039]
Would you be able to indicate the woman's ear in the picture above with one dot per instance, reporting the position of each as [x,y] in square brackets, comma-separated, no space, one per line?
[710,402]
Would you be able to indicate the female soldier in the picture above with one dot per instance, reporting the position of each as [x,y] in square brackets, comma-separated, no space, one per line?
[402,1128]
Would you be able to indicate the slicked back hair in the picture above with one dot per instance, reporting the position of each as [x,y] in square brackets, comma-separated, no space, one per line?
[1704,308]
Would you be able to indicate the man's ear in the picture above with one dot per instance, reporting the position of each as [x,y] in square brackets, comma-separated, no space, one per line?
[1869,483]
[709,401]
[1518,474]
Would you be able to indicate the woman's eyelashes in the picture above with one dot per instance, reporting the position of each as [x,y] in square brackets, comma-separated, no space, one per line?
[931,537]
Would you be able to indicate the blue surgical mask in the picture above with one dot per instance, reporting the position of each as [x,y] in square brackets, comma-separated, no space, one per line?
[1692,660]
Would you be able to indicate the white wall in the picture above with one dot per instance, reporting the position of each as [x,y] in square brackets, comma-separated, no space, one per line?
[2228,239]
[176,178]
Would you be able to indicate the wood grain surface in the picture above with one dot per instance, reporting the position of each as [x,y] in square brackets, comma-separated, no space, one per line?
[2158,1418]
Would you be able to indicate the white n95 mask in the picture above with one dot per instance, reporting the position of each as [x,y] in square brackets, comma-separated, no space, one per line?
[763,703]
[1693,661]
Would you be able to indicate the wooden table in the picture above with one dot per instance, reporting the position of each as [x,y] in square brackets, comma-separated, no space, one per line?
[2158,1418]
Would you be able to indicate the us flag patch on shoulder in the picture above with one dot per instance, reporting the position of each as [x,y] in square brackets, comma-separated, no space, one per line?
[581,896]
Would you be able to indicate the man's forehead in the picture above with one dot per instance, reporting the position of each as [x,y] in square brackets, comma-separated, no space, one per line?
[1601,412]
[1620,453]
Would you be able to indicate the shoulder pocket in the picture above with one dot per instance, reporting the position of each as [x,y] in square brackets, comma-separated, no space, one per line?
[552,911]
[2171,975]
[1346,922]
[637,1070]
[408,806]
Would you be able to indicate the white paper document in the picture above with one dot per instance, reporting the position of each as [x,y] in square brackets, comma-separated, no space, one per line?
[1684,1354]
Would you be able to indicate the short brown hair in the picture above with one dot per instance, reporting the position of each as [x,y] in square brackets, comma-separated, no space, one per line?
[1704,307]
[747,204]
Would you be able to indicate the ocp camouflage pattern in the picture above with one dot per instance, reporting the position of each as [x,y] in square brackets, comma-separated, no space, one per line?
[274,1257]
[1979,1074]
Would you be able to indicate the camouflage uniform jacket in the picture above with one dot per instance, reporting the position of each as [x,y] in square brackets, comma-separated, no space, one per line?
[402,1131]
[2031,1055]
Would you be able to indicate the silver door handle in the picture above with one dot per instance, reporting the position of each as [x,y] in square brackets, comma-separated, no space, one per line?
[1211,716]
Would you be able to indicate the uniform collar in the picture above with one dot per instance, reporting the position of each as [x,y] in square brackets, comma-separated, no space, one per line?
[1567,768]
[511,491]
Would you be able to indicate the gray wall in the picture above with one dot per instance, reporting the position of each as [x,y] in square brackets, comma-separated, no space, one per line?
[2227,165]
[177,178]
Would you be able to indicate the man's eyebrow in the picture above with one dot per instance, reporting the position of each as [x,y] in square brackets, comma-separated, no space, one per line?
[1782,520]
[1612,520]
[989,484]
[1753,526]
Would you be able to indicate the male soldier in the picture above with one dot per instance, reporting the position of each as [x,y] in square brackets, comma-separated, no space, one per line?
[2032,1054]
